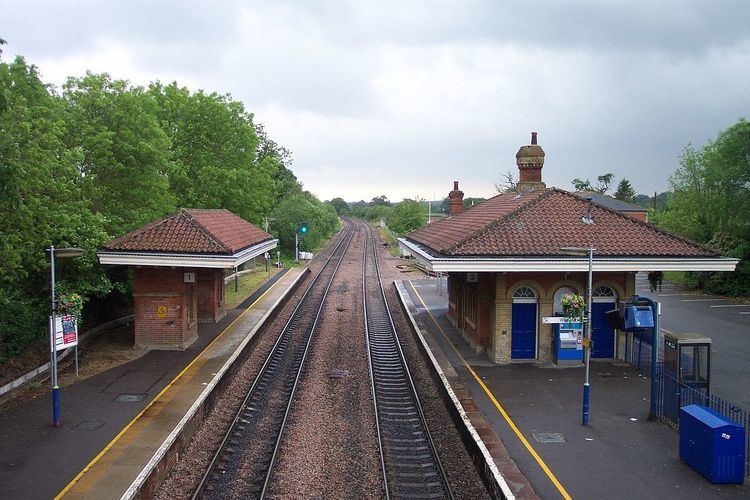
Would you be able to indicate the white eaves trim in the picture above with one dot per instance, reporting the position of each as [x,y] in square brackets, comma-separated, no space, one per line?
[541,264]
[120,258]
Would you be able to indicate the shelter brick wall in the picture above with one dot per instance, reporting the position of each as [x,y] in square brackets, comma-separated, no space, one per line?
[210,292]
[165,309]
[492,330]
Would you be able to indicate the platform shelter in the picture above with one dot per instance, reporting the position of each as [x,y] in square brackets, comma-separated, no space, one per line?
[179,265]
[508,262]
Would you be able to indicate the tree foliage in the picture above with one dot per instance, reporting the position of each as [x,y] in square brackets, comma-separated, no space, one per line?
[341,206]
[321,221]
[103,157]
[602,185]
[711,204]
[625,191]
[407,215]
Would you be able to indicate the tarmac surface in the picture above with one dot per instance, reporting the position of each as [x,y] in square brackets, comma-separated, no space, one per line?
[38,460]
[724,320]
[619,455]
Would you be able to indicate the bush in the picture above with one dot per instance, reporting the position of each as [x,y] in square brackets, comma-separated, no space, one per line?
[22,322]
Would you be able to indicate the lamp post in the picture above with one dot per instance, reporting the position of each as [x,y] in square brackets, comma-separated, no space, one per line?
[60,252]
[587,327]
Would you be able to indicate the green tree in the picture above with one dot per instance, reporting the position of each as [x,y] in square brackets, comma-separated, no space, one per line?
[41,203]
[219,161]
[341,206]
[711,204]
[603,183]
[380,200]
[625,191]
[125,156]
[321,220]
[407,215]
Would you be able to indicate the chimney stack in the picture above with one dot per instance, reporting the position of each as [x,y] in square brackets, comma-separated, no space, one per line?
[530,160]
[456,198]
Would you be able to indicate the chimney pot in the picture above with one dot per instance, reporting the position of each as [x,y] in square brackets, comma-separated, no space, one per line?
[530,160]
[456,198]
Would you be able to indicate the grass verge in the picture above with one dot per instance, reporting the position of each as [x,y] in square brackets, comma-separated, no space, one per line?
[246,285]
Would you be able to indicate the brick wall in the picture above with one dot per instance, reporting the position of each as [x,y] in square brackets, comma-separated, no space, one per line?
[165,309]
[545,284]
[210,295]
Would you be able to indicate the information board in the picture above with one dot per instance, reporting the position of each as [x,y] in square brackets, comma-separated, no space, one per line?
[66,332]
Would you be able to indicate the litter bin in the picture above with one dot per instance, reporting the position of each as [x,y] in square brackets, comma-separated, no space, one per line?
[712,445]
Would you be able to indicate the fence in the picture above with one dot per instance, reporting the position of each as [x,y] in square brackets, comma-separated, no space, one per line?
[673,394]
[638,351]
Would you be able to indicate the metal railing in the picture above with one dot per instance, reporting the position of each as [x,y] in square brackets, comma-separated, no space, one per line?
[672,394]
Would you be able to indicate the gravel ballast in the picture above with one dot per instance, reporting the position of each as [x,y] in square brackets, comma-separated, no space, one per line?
[329,447]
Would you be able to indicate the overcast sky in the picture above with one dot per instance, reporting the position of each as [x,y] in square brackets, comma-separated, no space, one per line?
[402,98]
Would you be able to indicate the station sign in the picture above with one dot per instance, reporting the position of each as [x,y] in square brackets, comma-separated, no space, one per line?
[66,332]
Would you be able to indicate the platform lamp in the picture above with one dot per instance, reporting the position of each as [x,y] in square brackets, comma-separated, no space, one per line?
[55,253]
[582,251]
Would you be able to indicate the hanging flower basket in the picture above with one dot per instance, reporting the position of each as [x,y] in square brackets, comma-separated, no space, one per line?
[70,304]
[574,307]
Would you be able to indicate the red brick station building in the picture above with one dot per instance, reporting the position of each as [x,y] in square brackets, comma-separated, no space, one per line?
[507,267]
[179,263]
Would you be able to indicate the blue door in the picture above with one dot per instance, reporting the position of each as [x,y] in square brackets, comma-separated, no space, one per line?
[602,335]
[523,331]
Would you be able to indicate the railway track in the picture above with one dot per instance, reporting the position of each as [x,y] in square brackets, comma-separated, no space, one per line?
[410,464]
[253,439]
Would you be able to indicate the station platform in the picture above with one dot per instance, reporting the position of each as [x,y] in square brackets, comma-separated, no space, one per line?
[535,410]
[115,423]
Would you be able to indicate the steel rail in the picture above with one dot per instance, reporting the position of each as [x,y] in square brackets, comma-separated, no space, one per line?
[278,347]
[301,366]
[408,451]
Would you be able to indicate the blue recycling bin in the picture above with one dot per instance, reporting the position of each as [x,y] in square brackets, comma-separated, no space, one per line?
[637,317]
[712,445]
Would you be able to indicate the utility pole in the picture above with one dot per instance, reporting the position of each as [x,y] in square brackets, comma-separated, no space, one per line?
[266,220]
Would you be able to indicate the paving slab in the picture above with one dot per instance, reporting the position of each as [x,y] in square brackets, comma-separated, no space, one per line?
[105,439]
[619,455]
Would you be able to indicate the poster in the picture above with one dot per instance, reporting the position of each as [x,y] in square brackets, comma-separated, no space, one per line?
[66,332]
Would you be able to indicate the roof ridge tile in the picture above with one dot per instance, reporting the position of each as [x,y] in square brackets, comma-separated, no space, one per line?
[496,222]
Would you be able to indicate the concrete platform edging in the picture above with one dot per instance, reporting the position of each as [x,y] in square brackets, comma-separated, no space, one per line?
[157,468]
[481,454]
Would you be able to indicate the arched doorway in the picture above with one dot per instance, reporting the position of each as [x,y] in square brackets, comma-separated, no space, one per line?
[603,298]
[523,324]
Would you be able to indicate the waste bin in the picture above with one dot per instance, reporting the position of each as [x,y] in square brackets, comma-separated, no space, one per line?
[712,445]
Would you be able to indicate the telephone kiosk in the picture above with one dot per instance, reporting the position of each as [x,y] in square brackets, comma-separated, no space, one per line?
[568,348]
[687,356]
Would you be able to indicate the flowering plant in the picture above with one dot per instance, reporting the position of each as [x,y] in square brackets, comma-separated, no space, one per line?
[70,304]
[574,307]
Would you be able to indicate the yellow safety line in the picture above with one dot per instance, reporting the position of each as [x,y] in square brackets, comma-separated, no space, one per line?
[499,407]
[172,382]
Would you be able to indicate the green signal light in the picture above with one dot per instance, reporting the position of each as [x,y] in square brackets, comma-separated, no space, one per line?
[303,228]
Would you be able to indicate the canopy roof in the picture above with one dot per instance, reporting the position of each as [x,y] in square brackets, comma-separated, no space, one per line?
[190,238]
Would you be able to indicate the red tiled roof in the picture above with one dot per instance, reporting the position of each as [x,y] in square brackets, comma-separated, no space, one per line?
[213,231]
[444,233]
[542,222]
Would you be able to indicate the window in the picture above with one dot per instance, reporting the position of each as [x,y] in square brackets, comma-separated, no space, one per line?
[524,294]
[603,294]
